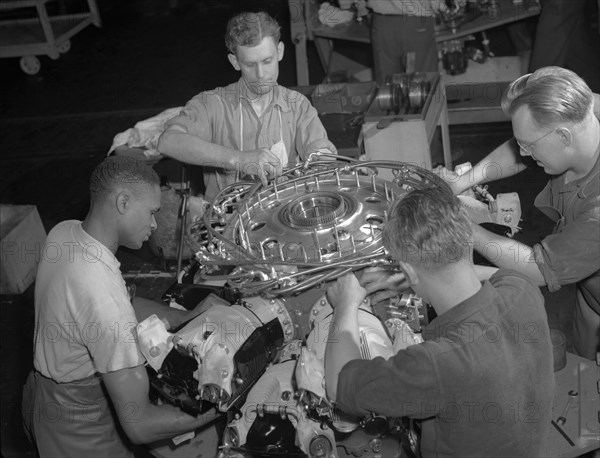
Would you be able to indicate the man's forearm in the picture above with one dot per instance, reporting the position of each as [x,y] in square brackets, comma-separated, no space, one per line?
[502,162]
[142,421]
[165,421]
[507,253]
[143,308]
[343,345]
[196,151]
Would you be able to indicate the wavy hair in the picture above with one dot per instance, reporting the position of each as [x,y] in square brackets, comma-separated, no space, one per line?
[552,94]
[429,229]
[249,29]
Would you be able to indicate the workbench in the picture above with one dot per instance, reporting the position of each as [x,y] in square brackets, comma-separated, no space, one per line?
[305,26]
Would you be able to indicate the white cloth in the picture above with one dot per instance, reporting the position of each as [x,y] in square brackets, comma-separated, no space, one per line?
[331,15]
[85,323]
[145,133]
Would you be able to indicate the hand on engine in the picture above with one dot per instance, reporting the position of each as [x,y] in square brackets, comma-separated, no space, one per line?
[346,292]
[449,176]
[322,145]
[262,163]
[381,284]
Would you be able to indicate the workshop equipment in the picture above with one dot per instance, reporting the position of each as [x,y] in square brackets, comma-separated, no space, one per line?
[401,121]
[319,219]
[562,419]
[269,251]
[575,410]
[260,357]
[42,34]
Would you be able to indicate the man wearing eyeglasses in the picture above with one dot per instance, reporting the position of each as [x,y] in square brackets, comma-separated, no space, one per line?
[554,122]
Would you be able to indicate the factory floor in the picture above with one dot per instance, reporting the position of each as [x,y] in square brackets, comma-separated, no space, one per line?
[148,56]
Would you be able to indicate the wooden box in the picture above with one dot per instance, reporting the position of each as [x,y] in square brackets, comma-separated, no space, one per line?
[22,238]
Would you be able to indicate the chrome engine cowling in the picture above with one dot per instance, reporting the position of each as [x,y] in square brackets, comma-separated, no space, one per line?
[318,221]
[261,359]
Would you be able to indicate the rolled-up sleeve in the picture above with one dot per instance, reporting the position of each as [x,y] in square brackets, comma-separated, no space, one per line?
[310,132]
[572,254]
[195,117]
[404,385]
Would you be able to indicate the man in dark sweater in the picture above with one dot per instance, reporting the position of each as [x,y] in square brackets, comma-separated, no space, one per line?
[482,380]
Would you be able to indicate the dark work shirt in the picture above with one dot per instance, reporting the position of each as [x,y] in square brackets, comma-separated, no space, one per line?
[482,380]
[571,254]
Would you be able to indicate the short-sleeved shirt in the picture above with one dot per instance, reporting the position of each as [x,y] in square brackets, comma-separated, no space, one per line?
[482,381]
[571,254]
[85,323]
[225,116]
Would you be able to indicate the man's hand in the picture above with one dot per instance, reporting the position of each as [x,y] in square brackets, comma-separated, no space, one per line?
[346,293]
[449,176]
[322,145]
[381,284]
[262,163]
[142,421]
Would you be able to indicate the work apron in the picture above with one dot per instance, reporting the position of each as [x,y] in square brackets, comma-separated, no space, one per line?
[278,149]
[72,419]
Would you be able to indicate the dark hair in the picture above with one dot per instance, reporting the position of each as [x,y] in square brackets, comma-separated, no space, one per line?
[428,228]
[249,29]
[123,171]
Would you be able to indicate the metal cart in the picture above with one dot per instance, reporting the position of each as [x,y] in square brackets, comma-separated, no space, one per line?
[42,34]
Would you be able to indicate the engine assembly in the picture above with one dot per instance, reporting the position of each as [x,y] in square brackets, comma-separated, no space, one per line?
[259,357]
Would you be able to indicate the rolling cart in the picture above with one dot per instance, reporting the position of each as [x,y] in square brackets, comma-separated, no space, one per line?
[41,35]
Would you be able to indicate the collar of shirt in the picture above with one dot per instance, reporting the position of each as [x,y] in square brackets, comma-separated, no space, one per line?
[581,184]
[280,95]
[94,251]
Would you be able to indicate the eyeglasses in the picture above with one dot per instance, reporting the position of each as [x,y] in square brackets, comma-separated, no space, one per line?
[528,147]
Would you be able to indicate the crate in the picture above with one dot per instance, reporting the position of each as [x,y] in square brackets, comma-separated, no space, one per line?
[22,238]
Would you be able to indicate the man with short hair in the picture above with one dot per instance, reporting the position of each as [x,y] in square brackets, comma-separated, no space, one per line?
[482,381]
[554,125]
[251,127]
[89,383]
